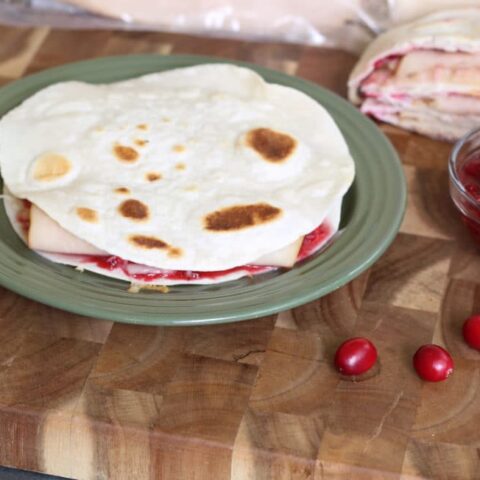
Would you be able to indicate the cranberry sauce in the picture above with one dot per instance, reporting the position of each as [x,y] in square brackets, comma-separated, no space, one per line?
[23,216]
[314,240]
[113,262]
[469,176]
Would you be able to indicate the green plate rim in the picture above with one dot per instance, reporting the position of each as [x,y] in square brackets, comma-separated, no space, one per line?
[224,307]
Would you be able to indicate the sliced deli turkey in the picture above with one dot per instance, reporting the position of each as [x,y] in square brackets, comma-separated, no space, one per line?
[424,76]
[200,174]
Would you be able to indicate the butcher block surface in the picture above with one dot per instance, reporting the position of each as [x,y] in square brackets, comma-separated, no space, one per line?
[89,399]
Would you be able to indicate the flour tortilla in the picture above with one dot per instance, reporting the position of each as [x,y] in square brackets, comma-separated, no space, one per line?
[71,147]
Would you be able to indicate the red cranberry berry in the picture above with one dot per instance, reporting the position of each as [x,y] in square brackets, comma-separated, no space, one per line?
[471,331]
[355,356]
[433,363]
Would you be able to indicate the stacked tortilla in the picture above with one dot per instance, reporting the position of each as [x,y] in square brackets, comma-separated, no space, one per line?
[196,175]
[424,76]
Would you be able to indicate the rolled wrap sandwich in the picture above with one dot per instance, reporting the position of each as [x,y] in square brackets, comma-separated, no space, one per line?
[424,76]
[196,175]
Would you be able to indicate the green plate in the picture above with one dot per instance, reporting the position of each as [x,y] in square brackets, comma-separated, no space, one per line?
[371,215]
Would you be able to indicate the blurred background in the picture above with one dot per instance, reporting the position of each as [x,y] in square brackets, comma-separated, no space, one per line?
[345,24]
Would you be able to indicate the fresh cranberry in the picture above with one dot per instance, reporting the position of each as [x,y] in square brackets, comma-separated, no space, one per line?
[433,363]
[471,331]
[355,356]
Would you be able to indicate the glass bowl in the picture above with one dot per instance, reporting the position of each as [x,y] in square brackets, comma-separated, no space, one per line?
[464,174]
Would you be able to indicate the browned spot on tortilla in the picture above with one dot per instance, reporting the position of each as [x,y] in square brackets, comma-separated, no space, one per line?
[133,209]
[141,142]
[180,166]
[50,167]
[148,242]
[125,154]
[123,190]
[175,252]
[142,126]
[191,188]
[153,176]
[178,148]
[87,214]
[271,145]
[166,119]
[239,217]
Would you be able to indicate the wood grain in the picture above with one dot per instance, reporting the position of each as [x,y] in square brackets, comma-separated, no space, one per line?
[89,399]
[206,399]
[276,445]
[18,47]
[243,342]
[61,46]
[400,279]
[430,212]
[438,460]
[330,69]
[139,359]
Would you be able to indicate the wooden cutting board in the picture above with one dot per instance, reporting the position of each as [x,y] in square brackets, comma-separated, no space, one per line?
[89,399]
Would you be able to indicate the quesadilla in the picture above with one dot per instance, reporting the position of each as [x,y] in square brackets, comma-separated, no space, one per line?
[424,76]
[196,175]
